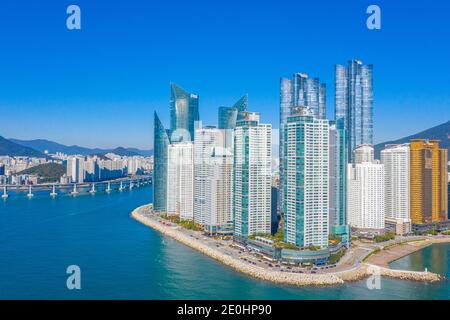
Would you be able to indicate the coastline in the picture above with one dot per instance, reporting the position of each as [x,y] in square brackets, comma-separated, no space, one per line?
[397,251]
[355,272]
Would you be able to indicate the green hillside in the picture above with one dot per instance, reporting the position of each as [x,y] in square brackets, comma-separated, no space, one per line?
[48,172]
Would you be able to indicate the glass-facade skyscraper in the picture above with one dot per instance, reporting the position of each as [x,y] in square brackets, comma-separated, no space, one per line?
[228,117]
[354,102]
[183,114]
[305,92]
[183,117]
[338,181]
[160,146]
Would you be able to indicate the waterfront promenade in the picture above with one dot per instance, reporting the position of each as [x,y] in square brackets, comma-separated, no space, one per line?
[357,264]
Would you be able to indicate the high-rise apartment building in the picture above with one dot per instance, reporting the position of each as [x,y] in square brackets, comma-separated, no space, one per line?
[354,102]
[428,182]
[363,153]
[75,168]
[338,181]
[206,139]
[299,91]
[184,115]
[365,192]
[219,192]
[306,180]
[395,159]
[91,169]
[252,177]
[180,180]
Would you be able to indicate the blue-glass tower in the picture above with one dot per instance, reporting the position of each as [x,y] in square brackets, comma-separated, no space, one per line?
[228,116]
[338,181]
[354,102]
[183,114]
[160,146]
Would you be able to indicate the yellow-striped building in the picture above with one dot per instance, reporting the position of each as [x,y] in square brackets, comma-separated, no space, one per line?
[428,182]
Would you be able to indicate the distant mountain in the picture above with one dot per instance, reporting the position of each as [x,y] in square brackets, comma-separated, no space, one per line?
[53,147]
[120,151]
[145,153]
[10,148]
[440,132]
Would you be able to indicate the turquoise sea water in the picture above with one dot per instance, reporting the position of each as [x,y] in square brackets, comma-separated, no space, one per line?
[122,259]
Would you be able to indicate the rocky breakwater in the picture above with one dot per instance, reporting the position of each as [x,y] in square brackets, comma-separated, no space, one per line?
[143,215]
[424,276]
[363,270]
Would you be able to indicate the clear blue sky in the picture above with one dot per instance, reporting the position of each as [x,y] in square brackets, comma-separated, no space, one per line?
[99,86]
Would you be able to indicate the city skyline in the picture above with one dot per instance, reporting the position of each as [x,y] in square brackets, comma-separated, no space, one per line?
[76,84]
[221,150]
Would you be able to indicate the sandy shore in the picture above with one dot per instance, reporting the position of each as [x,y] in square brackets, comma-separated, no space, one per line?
[361,270]
[395,252]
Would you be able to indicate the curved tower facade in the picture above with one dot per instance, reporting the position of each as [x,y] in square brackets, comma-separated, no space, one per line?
[183,114]
[160,145]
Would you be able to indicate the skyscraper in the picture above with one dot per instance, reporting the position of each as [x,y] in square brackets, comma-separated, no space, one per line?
[252,177]
[354,102]
[306,156]
[75,168]
[241,106]
[160,146]
[228,116]
[363,153]
[183,114]
[428,182]
[338,181]
[91,169]
[219,192]
[180,180]
[206,139]
[365,196]
[395,159]
[298,91]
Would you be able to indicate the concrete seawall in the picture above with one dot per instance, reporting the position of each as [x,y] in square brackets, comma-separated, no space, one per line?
[141,214]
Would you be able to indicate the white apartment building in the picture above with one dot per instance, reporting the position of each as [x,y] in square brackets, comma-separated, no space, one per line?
[180,180]
[75,168]
[363,153]
[219,192]
[306,193]
[395,159]
[206,139]
[366,191]
[252,176]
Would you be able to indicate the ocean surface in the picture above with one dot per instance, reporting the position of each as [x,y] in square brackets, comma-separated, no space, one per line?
[121,259]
